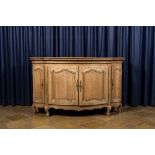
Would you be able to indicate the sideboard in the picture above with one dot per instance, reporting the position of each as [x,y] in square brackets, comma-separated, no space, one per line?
[77,83]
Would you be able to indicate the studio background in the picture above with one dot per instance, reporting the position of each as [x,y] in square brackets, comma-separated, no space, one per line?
[136,44]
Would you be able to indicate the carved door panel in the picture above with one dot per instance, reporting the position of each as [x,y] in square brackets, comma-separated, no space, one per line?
[93,84]
[62,84]
[38,83]
[116,82]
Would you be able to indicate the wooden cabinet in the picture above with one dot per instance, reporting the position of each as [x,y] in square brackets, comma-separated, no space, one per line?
[77,83]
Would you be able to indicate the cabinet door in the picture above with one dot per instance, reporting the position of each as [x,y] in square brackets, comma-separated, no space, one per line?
[93,84]
[116,82]
[61,84]
[38,83]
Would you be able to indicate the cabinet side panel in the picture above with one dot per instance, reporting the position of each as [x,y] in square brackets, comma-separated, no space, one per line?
[116,82]
[38,83]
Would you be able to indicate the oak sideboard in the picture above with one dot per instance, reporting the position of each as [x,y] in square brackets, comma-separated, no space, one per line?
[77,83]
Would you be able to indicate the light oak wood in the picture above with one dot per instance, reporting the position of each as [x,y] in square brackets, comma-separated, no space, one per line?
[93,80]
[62,80]
[77,83]
[38,83]
[116,82]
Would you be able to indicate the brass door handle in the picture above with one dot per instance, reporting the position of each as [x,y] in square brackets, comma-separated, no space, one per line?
[79,85]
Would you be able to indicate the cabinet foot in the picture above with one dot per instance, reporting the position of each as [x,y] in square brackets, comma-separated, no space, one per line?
[119,109]
[47,111]
[34,109]
[108,109]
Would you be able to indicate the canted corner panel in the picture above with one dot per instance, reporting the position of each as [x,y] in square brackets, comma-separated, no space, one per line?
[94,85]
[116,82]
[62,85]
[38,83]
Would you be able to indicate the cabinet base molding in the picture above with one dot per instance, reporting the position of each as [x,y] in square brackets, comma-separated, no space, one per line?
[77,83]
[117,108]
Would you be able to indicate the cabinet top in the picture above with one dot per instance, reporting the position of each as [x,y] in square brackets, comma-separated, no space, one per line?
[77,58]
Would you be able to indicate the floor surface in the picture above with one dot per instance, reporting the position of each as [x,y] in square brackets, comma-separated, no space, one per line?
[22,117]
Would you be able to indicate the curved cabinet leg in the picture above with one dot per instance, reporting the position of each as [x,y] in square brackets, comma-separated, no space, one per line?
[119,109]
[109,109]
[47,111]
[34,109]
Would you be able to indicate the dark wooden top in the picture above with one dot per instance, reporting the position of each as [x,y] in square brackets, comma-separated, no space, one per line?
[77,58]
